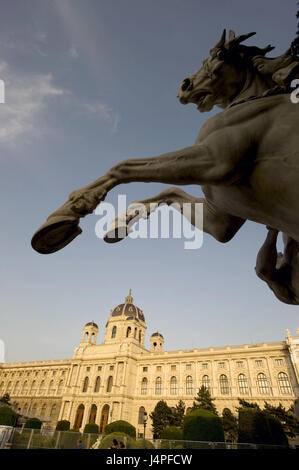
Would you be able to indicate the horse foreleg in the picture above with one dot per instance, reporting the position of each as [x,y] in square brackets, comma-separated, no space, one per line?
[220,225]
[191,165]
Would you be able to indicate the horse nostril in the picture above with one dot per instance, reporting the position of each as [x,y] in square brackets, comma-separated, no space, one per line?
[186,84]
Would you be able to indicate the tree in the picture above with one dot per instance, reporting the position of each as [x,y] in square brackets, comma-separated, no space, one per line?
[287,418]
[203,425]
[178,414]
[230,425]
[5,399]
[295,43]
[247,404]
[161,417]
[204,401]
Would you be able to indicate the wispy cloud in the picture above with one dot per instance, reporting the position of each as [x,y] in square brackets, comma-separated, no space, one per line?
[73,52]
[101,111]
[26,98]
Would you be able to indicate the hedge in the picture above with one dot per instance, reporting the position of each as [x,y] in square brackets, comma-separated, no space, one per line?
[202,425]
[33,423]
[107,441]
[63,425]
[121,426]
[91,428]
[7,416]
[143,444]
[260,427]
[172,433]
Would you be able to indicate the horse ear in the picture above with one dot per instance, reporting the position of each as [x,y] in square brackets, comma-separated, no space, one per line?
[222,40]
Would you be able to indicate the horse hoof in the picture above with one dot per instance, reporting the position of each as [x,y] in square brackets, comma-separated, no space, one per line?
[55,234]
[115,235]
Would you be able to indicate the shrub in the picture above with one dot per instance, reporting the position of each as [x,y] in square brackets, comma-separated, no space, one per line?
[7,416]
[122,427]
[143,444]
[107,441]
[63,425]
[246,428]
[260,427]
[202,425]
[172,433]
[91,428]
[33,423]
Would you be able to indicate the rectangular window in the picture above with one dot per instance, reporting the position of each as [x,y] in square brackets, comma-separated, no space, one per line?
[173,367]
[240,364]
[159,368]
[99,367]
[259,363]
[205,365]
[88,369]
[221,365]
[111,367]
[279,362]
[188,366]
[145,369]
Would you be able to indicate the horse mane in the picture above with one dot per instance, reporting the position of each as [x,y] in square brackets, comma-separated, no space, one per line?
[278,71]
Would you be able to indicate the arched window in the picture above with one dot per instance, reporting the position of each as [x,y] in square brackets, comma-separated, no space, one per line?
[42,388]
[86,337]
[263,385]
[53,411]
[128,331]
[97,384]
[79,417]
[85,384]
[189,385]
[224,385]
[25,388]
[92,338]
[51,390]
[33,388]
[93,414]
[158,388]
[43,411]
[144,386]
[173,386]
[141,415]
[113,334]
[2,387]
[17,388]
[188,410]
[25,409]
[243,384]
[9,387]
[109,383]
[206,382]
[135,332]
[284,383]
[60,388]
[104,418]
[139,336]
[34,408]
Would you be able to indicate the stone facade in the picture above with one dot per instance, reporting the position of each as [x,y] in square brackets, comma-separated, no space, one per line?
[121,379]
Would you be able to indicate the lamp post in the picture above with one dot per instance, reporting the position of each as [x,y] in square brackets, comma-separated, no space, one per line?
[144,423]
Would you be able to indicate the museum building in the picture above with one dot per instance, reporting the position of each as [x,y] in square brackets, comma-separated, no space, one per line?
[121,379]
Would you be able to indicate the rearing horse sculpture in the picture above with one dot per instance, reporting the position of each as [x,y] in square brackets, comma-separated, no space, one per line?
[246,158]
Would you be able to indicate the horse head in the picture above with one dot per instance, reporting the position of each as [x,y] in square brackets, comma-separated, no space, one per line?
[224,75]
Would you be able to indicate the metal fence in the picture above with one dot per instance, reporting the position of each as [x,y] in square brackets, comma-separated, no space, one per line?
[50,439]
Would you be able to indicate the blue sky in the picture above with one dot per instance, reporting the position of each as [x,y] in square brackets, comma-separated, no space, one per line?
[89,84]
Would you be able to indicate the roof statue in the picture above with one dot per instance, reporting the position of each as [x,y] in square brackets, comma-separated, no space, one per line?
[245,158]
